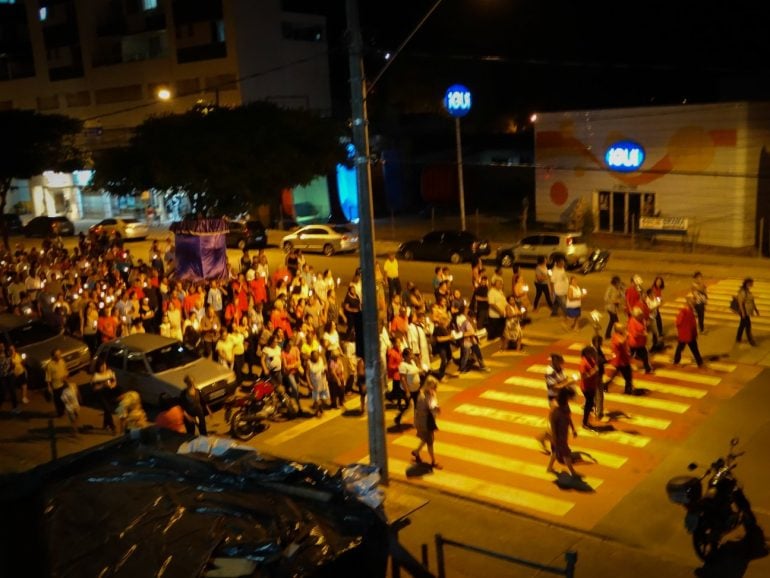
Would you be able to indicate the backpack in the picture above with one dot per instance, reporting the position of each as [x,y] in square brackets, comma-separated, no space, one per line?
[734,305]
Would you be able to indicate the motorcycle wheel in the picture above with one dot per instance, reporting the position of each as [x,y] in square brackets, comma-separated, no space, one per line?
[705,540]
[602,266]
[292,408]
[242,428]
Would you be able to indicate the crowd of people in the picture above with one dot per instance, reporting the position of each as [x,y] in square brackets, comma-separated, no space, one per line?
[290,326]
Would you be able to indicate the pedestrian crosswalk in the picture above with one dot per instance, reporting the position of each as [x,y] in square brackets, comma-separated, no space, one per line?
[718,312]
[488,434]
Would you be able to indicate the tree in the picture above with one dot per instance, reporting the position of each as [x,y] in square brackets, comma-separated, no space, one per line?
[33,143]
[226,160]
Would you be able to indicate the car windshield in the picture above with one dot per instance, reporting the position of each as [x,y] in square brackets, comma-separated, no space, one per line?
[342,230]
[31,333]
[170,356]
[130,221]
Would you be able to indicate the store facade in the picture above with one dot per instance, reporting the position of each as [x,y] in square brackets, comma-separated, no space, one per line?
[703,170]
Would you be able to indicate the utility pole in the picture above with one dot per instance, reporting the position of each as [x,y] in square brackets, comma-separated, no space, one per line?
[378,454]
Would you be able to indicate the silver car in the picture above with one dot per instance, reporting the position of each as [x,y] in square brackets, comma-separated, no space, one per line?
[151,364]
[571,246]
[326,239]
[128,227]
[36,340]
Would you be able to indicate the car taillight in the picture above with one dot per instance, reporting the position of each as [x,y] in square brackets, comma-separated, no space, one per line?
[345,238]
[569,241]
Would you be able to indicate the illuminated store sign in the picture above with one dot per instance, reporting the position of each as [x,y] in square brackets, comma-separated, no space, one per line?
[624,156]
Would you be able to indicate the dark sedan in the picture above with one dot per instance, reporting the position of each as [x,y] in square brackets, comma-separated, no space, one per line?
[244,234]
[452,246]
[49,227]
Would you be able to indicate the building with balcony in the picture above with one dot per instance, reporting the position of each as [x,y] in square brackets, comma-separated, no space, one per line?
[103,61]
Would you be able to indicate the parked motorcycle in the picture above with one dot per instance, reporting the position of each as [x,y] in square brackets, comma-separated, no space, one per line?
[247,414]
[596,261]
[721,509]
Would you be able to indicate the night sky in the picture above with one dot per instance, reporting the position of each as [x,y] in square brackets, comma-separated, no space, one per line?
[521,56]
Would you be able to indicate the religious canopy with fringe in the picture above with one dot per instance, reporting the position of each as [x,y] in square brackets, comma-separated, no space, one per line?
[200,249]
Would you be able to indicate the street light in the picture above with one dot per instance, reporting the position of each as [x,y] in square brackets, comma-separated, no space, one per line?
[163,94]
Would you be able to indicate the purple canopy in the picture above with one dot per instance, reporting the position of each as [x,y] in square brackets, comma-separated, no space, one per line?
[200,249]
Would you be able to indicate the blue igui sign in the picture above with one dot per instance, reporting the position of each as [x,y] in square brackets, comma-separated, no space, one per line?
[624,156]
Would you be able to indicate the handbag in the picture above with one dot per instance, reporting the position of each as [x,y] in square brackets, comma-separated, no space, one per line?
[734,305]
[432,426]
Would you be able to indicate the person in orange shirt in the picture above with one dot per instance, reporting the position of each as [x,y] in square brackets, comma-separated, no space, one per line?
[637,337]
[399,325]
[621,358]
[107,325]
[171,415]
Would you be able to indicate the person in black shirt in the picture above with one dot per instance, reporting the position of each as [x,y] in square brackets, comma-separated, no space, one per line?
[442,346]
[480,301]
[194,407]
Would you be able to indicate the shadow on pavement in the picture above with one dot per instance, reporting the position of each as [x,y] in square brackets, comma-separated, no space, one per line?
[418,470]
[565,481]
[732,558]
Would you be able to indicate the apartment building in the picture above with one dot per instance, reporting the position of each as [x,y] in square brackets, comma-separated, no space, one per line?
[106,61]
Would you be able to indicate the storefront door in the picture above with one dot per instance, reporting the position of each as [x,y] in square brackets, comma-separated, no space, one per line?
[619,211]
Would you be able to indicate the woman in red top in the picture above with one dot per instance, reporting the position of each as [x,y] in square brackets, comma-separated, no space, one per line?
[107,325]
[589,381]
[637,337]
[621,359]
[394,360]
[687,332]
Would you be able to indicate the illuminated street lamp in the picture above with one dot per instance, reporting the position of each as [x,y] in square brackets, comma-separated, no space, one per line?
[163,93]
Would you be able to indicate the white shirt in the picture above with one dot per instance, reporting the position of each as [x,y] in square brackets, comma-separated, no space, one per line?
[496,297]
[560,280]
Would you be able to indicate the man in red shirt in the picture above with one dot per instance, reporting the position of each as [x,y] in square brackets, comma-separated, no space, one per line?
[687,332]
[589,381]
[621,359]
[637,337]
[633,294]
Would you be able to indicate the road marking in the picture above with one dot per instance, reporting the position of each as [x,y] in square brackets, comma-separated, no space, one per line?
[311,423]
[677,390]
[535,342]
[466,485]
[647,402]
[637,441]
[699,378]
[493,363]
[717,365]
[471,375]
[510,353]
[498,462]
[541,403]
[528,382]
[610,460]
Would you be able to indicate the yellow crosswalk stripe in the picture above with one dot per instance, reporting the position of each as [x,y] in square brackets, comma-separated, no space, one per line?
[638,441]
[498,462]
[471,375]
[607,459]
[493,363]
[510,353]
[535,342]
[670,389]
[717,365]
[542,403]
[699,378]
[309,424]
[467,485]
[647,402]
[528,382]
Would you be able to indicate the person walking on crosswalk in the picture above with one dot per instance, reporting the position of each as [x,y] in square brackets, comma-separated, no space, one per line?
[425,411]
[621,358]
[687,331]
[747,307]
[560,419]
[700,296]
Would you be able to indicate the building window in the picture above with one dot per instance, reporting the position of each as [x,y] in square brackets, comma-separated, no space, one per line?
[118,94]
[150,4]
[303,32]
[219,31]
[81,98]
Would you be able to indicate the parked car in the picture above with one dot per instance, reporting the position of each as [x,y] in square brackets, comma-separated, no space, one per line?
[12,223]
[327,239]
[452,246]
[128,227]
[36,340]
[44,226]
[571,246]
[244,234]
[153,364]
